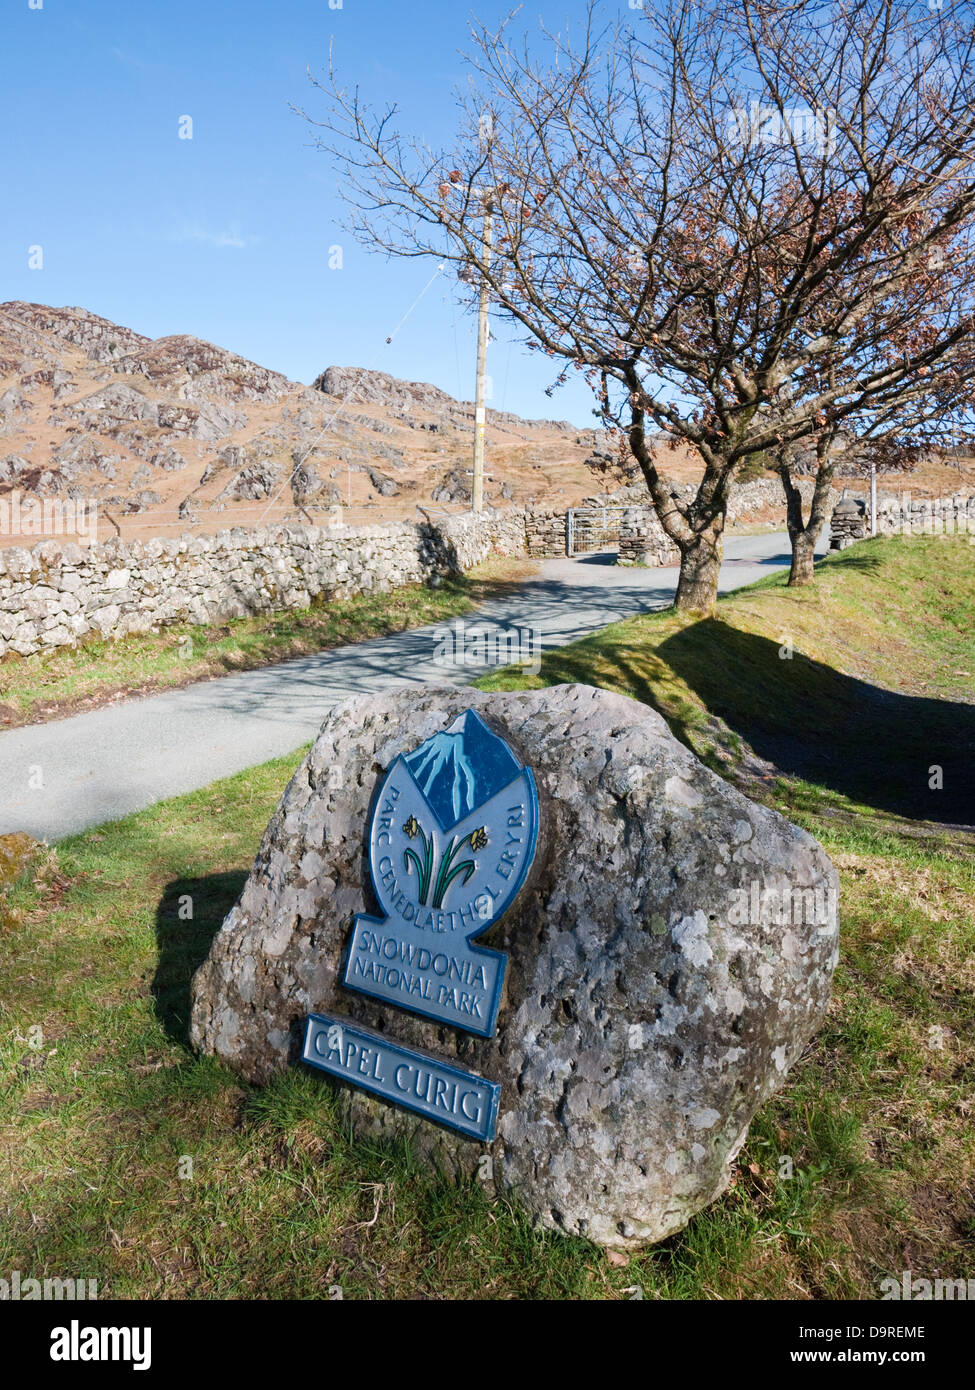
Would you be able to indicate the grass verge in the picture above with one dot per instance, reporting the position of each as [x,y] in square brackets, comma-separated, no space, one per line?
[128,1159]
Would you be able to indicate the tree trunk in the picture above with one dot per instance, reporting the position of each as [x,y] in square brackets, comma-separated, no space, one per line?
[803,558]
[700,550]
[803,535]
[700,563]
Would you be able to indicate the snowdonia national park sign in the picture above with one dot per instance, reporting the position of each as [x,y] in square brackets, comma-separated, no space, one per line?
[452,837]
[645,1018]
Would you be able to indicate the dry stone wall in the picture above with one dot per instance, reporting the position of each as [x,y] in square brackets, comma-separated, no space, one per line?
[56,594]
[545,534]
[643,541]
[901,515]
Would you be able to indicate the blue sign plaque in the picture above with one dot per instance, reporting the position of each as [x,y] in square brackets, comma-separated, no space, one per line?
[452,837]
[435,1089]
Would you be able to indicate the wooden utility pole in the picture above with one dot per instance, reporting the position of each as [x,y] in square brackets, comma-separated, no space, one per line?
[480,412]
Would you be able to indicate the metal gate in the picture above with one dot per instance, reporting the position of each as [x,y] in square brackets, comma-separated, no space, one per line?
[592,528]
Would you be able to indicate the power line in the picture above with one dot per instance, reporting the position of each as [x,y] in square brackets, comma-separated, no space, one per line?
[341,405]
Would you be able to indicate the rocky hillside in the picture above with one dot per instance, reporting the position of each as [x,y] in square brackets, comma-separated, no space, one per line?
[174,432]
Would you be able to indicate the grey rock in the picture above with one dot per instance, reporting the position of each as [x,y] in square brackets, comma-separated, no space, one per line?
[168,459]
[78,455]
[13,401]
[46,482]
[12,467]
[250,483]
[643,1022]
[112,406]
[145,497]
[181,419]
[454,486]
[62,383]
[232,456]
[215,421]
[357,385]
[383,483]
[306,481]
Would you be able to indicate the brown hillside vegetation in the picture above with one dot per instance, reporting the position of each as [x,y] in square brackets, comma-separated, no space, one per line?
[178,434]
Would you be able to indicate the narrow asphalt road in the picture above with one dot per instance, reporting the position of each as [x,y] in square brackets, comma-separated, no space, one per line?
[69,774]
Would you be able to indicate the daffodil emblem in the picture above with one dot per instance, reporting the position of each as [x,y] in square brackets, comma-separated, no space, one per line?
[447,870]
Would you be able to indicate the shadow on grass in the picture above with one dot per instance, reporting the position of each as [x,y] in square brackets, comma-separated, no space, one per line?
[879,748]
[875,746]
[183,942]
[853,561]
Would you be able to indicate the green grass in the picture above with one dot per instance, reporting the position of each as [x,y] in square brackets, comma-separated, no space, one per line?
[100,1108]
[68,679]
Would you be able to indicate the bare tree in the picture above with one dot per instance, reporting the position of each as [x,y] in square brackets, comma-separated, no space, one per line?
[920,412]
[892,439]
[713,212]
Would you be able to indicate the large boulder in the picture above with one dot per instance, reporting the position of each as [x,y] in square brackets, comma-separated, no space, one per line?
[660,980]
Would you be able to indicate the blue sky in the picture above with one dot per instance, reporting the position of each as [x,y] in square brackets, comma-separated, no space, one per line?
[226,235]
